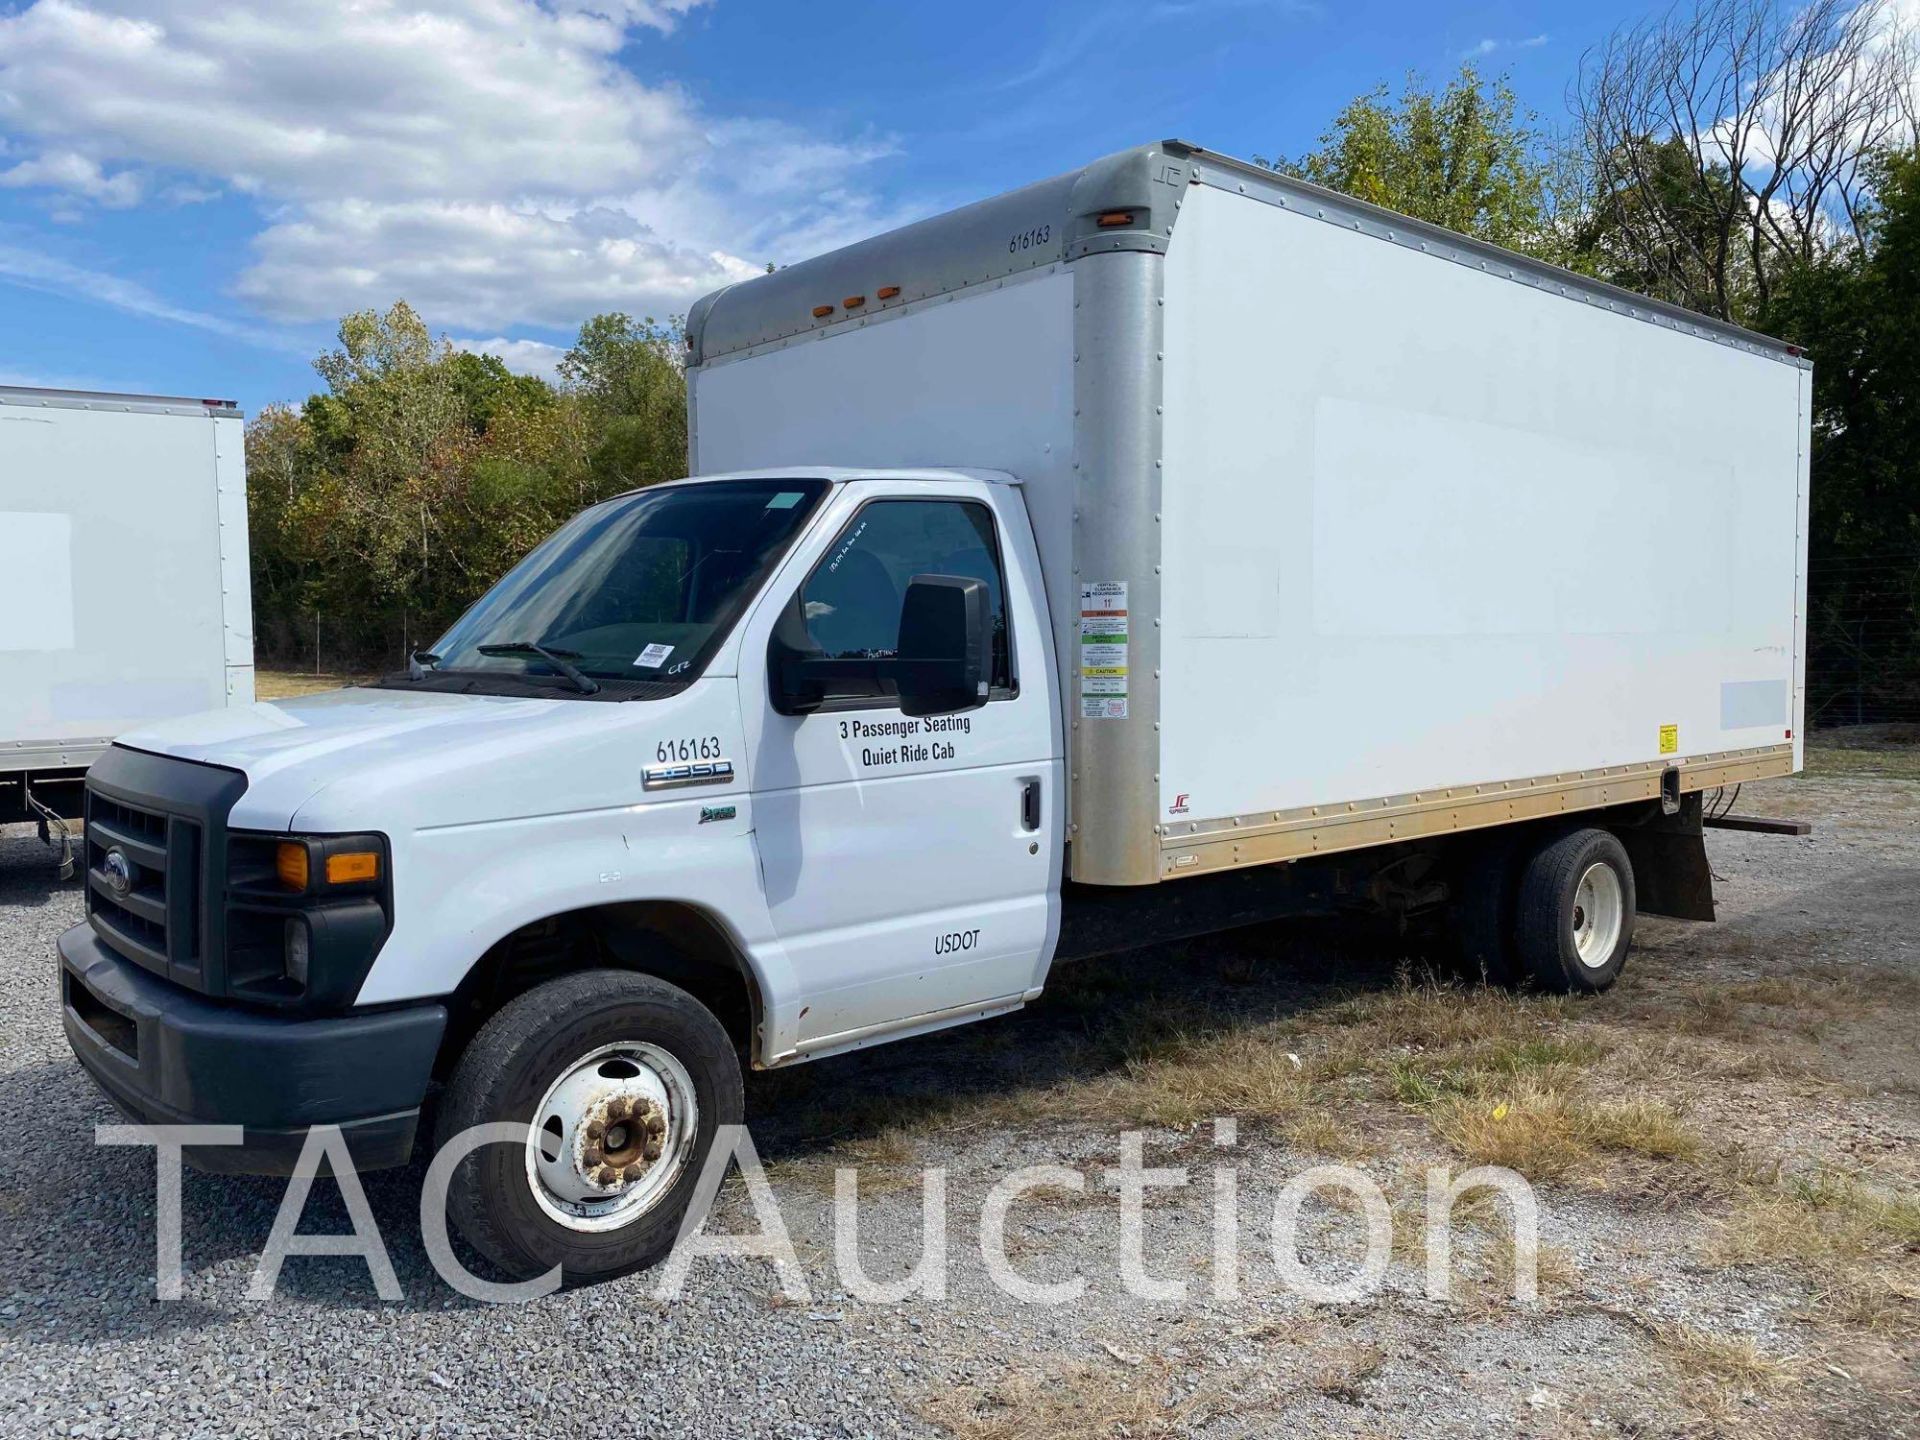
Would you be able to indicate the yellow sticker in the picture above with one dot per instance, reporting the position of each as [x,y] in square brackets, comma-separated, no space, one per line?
[1669,739]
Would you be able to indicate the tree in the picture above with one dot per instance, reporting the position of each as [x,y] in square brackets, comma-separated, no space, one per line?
[1465,157]
[1726,142]
[1857,311]
[395,496]
[629,376]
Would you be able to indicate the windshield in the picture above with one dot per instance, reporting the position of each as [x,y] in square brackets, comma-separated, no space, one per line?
[641,588]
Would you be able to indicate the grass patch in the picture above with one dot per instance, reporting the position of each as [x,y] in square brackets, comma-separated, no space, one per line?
[1819,1219]
[1890,757]
[1344,1375]
[1548,1133]
[289,684]
[1080,1402]
[1858,1245]
[1729,1360]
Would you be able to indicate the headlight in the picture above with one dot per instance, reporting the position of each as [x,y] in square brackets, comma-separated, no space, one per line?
[329,863]
[305,916]
[299,952]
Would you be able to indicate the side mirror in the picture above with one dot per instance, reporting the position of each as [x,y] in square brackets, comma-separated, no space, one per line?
[942,665]
[939,665]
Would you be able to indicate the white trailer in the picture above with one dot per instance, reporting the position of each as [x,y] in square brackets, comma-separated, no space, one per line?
[1161,547]
[123,579]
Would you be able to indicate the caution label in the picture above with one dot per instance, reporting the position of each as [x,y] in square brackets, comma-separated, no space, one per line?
[1103,650]
[1669,739]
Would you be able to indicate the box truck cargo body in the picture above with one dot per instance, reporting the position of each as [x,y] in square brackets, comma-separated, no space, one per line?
[123,579]
[1393,518]
[1165,546]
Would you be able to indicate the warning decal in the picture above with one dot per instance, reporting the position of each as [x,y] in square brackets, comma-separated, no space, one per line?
[1103,650]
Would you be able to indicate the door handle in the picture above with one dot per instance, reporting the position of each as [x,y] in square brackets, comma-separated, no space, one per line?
[1030,804]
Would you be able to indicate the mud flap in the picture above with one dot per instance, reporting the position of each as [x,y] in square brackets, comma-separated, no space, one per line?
[1671,875]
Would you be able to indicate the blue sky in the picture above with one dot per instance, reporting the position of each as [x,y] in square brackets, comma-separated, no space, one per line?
[191,193]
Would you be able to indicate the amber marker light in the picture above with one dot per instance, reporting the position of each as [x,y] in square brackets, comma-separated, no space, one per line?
[290,864]
[353,866]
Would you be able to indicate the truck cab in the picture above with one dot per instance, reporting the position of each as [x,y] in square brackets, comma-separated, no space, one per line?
[786,745]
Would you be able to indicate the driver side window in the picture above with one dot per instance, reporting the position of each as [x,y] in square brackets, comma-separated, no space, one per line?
[852,600]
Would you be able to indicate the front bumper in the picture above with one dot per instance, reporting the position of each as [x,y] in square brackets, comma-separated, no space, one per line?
[168,1057]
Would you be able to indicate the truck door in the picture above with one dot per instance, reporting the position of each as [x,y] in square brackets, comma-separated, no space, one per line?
[911,863]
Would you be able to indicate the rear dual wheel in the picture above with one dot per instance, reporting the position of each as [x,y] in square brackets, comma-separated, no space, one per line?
[1558,913]
[1574,912]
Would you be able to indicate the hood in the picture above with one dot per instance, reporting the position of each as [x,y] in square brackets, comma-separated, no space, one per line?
[358,747]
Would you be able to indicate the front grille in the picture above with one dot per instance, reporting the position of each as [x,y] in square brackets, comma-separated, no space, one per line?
[158,825]
[154,922]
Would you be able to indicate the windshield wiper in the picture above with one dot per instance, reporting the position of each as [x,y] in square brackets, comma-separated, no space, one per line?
[556,658]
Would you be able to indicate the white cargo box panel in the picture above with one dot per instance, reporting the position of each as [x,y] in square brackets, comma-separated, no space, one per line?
[1430,530]
[123,568]
[1354,530]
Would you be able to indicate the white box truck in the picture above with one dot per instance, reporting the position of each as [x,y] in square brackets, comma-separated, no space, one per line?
[1157,548]
[123,580]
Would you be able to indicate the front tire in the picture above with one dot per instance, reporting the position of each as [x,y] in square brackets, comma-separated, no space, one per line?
[624,1080]
[1574,913]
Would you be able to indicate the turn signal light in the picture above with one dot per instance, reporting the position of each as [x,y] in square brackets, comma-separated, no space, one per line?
[290,864]
[1115,219]
[352,866]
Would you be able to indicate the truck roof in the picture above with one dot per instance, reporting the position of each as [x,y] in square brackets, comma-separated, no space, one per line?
[1085,211]
[37,398]
[837,473]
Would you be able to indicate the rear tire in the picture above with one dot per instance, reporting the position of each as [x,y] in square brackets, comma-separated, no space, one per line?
[1482,913]
[625,1080]
[1574,912]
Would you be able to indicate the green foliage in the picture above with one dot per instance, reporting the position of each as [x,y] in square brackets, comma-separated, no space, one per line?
[392,499]
[1662,223]
[1857,312]
[1465,157]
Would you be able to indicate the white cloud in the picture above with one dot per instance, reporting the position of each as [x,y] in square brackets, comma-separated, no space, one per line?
[495,162]
[1493,46]
[77,174]
[523,357]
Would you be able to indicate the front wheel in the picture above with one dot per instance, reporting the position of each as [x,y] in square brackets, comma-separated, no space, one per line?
[623,1081]
[1574,913]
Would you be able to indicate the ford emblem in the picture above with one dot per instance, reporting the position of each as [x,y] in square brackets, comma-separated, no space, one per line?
[119,872]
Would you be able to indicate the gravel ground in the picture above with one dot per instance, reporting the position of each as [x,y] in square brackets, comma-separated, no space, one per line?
[85,1349]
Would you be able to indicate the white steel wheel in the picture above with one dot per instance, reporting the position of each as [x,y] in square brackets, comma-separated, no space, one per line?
[1599,913]
[624,1082]
[1573,914]
[611,1136]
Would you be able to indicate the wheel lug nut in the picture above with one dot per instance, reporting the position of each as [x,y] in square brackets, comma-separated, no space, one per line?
[618,1107]
[593,1156]
[595,1129]
[634,1172]
[608,1175]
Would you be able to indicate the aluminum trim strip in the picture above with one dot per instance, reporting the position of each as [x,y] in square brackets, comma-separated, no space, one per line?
[1199,846]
